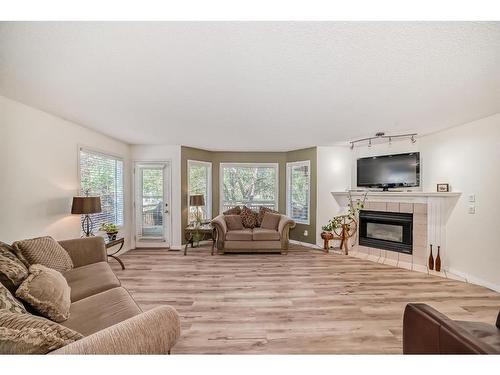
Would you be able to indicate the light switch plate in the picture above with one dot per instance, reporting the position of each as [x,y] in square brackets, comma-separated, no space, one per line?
[306,233]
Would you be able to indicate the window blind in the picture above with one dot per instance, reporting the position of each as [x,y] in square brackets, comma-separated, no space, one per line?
[199,182]
[102,175]
[298,191]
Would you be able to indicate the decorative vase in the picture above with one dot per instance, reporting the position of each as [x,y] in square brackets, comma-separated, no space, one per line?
[438,260]
[431,260]
[112,235]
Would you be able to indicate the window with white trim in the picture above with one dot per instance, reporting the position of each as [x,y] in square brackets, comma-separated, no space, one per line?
[102,175]
[250,184]
[298,182]
[200,182]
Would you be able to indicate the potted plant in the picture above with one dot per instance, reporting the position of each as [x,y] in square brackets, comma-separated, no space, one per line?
[110,229]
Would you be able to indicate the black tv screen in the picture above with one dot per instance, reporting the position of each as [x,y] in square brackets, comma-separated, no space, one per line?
[400,170]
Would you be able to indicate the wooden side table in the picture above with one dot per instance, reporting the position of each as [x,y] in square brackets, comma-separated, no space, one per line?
[110,243]
[205,231]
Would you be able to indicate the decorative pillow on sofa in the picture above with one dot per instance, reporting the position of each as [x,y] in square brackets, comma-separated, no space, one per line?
[12,270]
[30,334]
[248,217]
[233,222]
[270,221]
[47,291]
[262,211]
[233,211]
[9,303]
[45,251]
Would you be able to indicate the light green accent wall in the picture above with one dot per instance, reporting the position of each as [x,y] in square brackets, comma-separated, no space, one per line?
[281,158]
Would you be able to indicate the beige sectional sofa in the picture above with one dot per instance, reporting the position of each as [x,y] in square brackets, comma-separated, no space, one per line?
[253,239]
[105,313]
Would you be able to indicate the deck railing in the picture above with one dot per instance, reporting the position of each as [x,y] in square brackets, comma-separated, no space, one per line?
[254,206]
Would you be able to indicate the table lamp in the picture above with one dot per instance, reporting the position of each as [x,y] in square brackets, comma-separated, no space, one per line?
[197,200]
[86,206]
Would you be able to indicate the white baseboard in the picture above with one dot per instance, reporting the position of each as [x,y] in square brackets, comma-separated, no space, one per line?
[475,280]
[306,244]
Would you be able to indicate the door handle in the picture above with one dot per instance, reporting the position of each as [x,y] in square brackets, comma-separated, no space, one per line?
[166,211]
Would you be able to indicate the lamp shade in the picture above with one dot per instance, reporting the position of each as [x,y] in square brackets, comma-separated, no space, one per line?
[197,200]
[86,205]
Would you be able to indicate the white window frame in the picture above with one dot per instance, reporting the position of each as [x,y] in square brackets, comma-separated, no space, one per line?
[94,151]
[208,201]
[289,167]
[249,165]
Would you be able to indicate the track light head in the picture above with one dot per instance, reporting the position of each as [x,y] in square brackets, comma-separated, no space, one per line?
[352,146]
[369,143]
[413,140]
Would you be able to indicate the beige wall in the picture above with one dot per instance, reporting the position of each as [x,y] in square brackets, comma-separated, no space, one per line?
[334,174]
[39,172]
[468,157]
[281,158]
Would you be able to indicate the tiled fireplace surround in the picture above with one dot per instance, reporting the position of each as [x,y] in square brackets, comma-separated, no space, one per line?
[430,213]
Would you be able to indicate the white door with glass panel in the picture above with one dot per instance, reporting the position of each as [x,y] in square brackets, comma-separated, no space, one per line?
[152,210]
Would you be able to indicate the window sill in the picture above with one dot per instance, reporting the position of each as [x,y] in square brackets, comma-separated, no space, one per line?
[301,221]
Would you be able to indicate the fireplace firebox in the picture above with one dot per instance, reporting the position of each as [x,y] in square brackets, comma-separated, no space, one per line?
[386,230]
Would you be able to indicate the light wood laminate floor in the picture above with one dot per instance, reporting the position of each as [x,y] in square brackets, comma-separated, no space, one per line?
[304,302]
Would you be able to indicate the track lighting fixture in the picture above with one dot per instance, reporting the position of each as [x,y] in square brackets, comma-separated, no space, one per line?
[381,135]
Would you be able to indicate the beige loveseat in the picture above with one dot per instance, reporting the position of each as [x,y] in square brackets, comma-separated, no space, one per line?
[253,240]
[105,313]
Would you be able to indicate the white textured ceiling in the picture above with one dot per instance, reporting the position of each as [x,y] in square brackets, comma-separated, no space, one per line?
[254,85]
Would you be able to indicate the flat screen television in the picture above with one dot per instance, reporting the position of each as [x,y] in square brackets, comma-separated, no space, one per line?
[389,171]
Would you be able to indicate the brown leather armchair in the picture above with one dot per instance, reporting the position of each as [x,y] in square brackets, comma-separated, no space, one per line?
[427,331]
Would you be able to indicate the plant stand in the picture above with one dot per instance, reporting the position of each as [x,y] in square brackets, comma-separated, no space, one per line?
[326,236]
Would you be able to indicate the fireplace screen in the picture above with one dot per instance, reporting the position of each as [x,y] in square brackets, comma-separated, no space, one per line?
[387,232]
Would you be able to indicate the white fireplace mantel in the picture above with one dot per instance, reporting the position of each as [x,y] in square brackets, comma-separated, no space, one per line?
[439,208]
[395,196]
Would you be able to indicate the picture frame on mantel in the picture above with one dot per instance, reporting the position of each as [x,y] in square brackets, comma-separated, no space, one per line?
[443,188]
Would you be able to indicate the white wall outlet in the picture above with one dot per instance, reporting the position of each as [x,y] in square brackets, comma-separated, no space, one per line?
[306,233]
[472,198]
[472,209]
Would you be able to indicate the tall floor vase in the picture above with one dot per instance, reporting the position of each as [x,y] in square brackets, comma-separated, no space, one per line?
[438,260]
[431,260]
